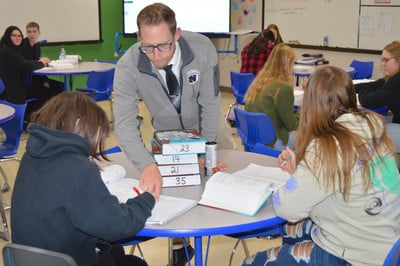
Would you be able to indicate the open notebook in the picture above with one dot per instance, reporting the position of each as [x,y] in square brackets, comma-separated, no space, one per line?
[166,209]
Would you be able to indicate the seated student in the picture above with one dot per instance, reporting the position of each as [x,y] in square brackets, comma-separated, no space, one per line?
[59,200]
[344,188]
[256,53]
[40,87]
[274,28]
[385,91]
[271,92]
[14,67]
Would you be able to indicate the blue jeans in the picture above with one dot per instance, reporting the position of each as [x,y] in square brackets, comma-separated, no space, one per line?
[279,145]
[297,249]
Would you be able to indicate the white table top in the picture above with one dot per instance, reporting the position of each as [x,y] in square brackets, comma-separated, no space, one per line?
[6,113]
[307,70]
[202,220]
[80,68]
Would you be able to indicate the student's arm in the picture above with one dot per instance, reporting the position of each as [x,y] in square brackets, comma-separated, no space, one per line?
[379,94]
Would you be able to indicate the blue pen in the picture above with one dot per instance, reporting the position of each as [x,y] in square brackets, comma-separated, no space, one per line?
[286,160]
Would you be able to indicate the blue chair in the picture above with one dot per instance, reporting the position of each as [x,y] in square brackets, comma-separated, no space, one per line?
[393,258]
[254,128]
[13,130]
[240,82]
[363,70]
[99,86]
[262,149]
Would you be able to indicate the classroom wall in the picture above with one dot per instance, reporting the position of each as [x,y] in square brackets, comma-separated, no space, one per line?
[111,12]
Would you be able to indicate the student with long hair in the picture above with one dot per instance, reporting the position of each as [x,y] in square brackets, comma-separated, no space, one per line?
[271,92]
[274,28]
[341,200]
[256,53]
[59,200]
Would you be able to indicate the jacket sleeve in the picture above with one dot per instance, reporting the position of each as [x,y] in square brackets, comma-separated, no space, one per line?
[209,96]
[301,193]
[99,213]
[285,107]
[378,94]
[126,112]
[19,63]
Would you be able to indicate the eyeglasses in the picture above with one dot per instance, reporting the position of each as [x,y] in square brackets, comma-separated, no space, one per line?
[164,47]
[16,35]
[386,59]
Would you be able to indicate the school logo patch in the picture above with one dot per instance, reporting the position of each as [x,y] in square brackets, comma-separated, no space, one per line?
[193,76]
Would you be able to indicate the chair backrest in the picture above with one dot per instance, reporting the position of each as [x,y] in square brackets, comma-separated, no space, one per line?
[2,86]
[254,128]
[22,255]
[262,149]
[101,81]
[240,82]
[363,70]
[13,129]
[393,258]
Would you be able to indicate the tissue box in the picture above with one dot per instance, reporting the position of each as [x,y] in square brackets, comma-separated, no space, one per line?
[74,59]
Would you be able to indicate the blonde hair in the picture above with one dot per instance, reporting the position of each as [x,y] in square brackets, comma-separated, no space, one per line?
[393,49]
[330,93]
[278,68]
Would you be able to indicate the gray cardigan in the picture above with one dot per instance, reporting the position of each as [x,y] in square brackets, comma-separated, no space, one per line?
[135,77]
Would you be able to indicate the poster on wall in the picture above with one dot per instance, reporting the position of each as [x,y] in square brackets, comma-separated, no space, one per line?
[246,15]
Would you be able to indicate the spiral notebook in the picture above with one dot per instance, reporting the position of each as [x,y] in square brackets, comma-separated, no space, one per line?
[166,209]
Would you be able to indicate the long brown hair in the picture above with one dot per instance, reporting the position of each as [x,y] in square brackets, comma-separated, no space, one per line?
[76,113]
[278,37]
[278,68]
[260,42]
[330,93]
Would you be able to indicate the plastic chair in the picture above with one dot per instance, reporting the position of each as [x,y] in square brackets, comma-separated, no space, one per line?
[13,130]
[262,149]
[363,70]
[22,255]
[393,258]
[99,86]
[254,128]
[240,82]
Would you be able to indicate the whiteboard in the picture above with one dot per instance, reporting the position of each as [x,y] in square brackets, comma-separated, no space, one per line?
[59,20]
[379,26]
[308,21]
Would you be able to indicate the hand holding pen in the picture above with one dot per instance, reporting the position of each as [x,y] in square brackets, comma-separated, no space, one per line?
[287,160]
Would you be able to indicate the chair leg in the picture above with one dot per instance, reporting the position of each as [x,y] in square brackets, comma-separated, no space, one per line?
[6,186]
[234,249]
[3,234]
[132,250]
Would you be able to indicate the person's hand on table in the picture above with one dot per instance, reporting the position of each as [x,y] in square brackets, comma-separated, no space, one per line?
[221,166]
[287,160]
[45,61]
[151,180]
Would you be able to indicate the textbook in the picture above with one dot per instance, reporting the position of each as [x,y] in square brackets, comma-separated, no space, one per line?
[179,169]
[185,141]
[181,180]
[245,191]
[176,159]
[166,209]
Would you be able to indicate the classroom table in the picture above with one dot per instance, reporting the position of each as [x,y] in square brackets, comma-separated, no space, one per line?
[82,68]
[301,71]
[6,113]
[204,221]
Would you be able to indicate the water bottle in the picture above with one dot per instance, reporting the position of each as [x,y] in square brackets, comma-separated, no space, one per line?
[63,54]
[326,40]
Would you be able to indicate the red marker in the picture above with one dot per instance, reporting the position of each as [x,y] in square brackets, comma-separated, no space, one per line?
[136,190]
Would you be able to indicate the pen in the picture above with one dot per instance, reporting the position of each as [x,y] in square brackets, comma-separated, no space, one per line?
[136,190]
[286,160]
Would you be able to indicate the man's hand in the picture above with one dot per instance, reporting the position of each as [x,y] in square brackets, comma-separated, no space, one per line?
[151,180]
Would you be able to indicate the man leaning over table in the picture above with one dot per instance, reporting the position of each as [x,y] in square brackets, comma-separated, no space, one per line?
[140,74]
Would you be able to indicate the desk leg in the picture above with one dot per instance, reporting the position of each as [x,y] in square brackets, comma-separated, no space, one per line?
[198,251]
[65,83]
[170,253]
[71,87]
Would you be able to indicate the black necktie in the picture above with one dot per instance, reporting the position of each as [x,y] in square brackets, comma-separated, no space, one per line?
[173,88]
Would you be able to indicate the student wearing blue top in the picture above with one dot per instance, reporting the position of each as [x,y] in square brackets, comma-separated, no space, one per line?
[59,201]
